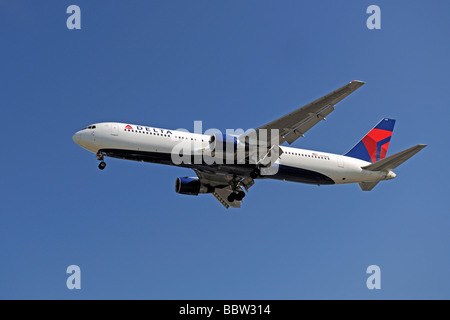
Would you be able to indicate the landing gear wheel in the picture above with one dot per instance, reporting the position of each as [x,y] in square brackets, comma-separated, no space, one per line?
[239,195]
[102,165]
[255,173]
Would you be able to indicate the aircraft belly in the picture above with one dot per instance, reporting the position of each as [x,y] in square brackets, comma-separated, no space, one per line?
[296,174]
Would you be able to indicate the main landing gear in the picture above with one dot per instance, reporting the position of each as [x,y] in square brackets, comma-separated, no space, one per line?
[102,164]
[236,183]
[236,195]
[255,173]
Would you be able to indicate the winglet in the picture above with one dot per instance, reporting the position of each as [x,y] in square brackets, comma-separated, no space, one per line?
[355,84]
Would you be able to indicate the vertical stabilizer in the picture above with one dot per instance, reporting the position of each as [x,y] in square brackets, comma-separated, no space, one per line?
[374,146]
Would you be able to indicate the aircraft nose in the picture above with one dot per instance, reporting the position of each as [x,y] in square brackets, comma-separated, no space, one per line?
[77,137]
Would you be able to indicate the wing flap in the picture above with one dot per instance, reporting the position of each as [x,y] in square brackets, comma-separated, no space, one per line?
[303,128]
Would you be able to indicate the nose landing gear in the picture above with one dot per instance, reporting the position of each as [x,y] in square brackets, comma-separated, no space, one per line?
[102,164]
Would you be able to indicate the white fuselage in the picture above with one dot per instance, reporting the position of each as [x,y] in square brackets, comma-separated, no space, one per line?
[149,144]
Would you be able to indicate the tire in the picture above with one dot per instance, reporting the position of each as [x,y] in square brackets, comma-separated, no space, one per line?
[102,165]
[240,195]
[255,173]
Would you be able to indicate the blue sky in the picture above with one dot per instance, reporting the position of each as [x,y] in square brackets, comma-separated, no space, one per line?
[231,64]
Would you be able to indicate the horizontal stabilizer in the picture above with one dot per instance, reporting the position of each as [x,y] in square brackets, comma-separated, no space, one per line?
[395,160]
[367,186]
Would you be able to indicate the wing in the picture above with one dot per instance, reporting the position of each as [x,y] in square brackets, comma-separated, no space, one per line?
[224,185]
[293,125]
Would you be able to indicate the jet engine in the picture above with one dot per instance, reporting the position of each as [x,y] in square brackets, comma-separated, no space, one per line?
[191,186]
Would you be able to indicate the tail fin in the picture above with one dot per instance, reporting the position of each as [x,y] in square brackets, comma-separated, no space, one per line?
[373,147]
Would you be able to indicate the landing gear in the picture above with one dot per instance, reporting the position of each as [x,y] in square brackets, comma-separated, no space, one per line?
[240,195]
[102,164]
[255,173]
[99,156]
[235,185]
[236,195]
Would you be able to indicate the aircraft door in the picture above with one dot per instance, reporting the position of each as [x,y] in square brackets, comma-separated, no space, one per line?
[340,162]
[114,129]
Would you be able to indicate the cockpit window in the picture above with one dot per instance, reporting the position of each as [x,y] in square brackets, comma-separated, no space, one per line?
[90,127]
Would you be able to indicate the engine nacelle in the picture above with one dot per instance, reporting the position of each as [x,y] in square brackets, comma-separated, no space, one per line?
[223,143]
[191,186]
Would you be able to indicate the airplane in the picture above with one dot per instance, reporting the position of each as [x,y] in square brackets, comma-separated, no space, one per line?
[366,163]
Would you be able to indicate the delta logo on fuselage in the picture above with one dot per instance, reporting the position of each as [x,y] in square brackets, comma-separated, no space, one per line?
[141,128]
